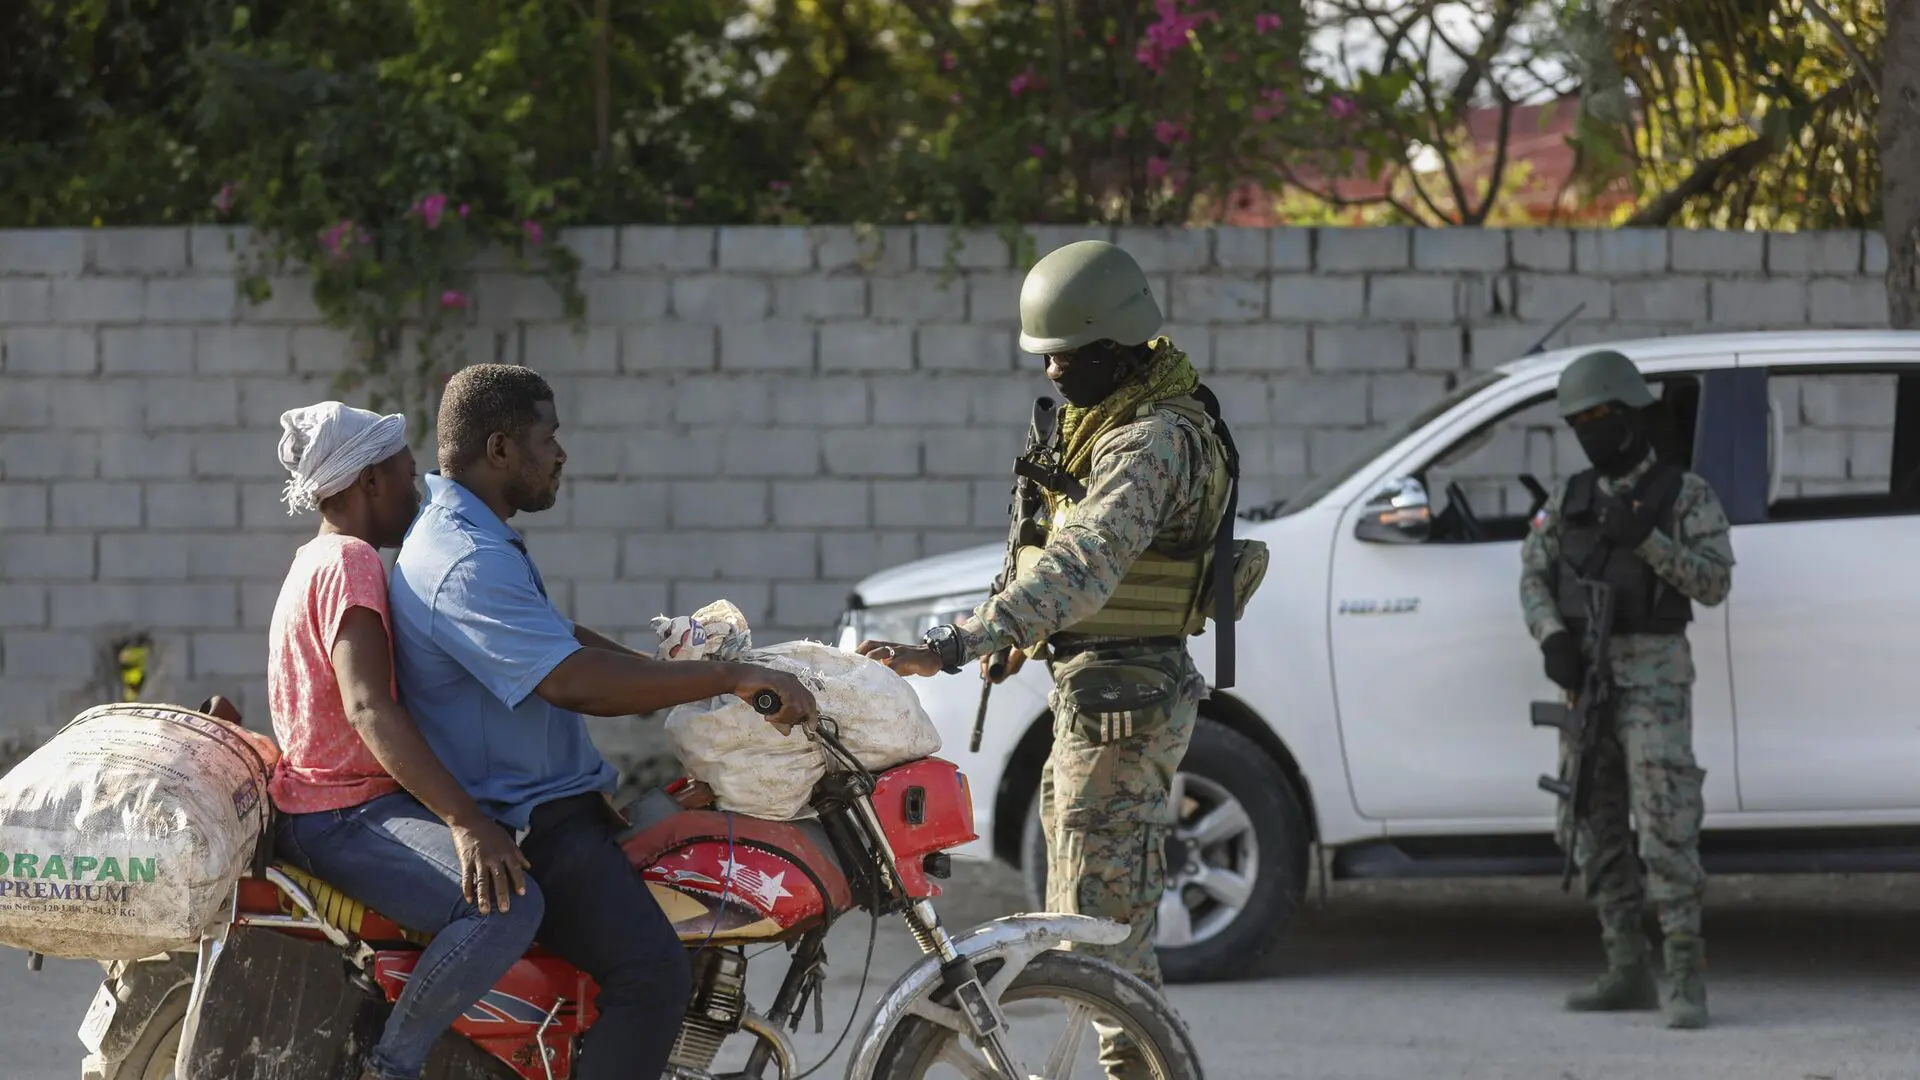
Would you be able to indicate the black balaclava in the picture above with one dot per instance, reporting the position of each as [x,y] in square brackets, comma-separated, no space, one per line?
[1096,370]
[1616,442]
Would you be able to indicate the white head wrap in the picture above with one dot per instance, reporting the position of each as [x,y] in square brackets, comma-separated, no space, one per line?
[325,446]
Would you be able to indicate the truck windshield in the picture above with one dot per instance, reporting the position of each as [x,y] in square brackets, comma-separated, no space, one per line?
[1316,488]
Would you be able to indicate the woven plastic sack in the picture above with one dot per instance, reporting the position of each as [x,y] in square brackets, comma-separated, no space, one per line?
[124,835]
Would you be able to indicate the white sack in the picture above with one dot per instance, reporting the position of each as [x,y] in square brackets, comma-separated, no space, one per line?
[755,770]
[125,834]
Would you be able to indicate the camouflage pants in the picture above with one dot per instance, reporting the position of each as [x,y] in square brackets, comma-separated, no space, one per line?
[1122,718]
[1644,767]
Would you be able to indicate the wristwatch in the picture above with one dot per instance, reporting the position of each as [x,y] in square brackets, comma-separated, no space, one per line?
[944,640]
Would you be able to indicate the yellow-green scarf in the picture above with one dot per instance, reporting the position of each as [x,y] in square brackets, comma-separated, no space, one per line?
[1169,375]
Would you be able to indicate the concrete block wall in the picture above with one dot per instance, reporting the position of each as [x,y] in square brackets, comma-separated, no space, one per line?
[758,413]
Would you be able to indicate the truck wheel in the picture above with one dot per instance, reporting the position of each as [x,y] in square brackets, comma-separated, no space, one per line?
[1237,861]
[153,1054]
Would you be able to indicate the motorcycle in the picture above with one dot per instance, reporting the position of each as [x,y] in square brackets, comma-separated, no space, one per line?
[301,980]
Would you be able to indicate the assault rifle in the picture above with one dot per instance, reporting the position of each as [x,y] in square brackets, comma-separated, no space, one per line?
[1038,469]
[1581,719]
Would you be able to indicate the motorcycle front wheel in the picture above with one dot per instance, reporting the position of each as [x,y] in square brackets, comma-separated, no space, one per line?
[1054,986]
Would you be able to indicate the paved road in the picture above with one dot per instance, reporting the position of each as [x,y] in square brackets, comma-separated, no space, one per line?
[1811,979]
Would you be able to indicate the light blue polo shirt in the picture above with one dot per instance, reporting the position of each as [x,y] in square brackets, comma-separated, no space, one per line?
[474,633]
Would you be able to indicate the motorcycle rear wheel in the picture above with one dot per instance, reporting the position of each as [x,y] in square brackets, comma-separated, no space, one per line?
[920,1049]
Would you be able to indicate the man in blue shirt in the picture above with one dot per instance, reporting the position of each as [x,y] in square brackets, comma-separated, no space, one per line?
[497,679]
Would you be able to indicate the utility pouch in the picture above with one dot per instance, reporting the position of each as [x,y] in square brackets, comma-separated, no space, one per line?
[1108,696]
[1249,570]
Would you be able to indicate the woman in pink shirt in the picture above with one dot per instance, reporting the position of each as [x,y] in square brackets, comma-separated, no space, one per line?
[365,803]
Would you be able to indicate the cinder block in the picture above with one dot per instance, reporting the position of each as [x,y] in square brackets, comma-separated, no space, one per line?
[1460,249]
[873,452]
[1439,348]
[1680,300]
[23,506]
[517,298]
[961,452]
[145,557]
[945,542]
[25,301]
[1621,252]
[922,504]
[773,249]
[1850,302]
[722,299]
[1047,239]
[1290,248]
[720,504]
[257,601]
[228,654]
[772,452]
[603,604]
[1167,250]
[558,349]
[818,296]
[99,404]
[218,248]
[1870,455]
[50,655]
[815,607]
[822,504]
[667,247]
[703,401]
[854,555]
[575,554]
[866,347]
[147,351]
[1329,447]
[666,455]
[1004,405]
[669,346]
[844,249]
[594,453]
[43,251]
[767,346]
[321,350]
[96,300]
[192,404]
[1552,297]
[1350,249]
[1491,346]
[1191,338]
[620,401]
[1305,400]
[1758,303]
[1542,249]
[289,300]
[1876,254]
[223,455]
[201,504]
[46,350]
[822,401]
[22,606]
[915,400]
[85,607]
[970,347]
[1839,401]
[621,504]
[1286,455]
[216,557]
[994,298]
[1240,249]
[1815,454]
[139,251]
[1243,404]
[1392,398]
[96,504]
[919,298]
[1260,347]
[597,247]
[50,455]
[1218,298]
[781,556]
[46,557]
[1413,298]
[626,298]
[753,598]
[192,299]
[1352,348]
[263,400]
[26,402]
[1720,252]
[1316,298]
[263,510]
[935,246]
[1826,251]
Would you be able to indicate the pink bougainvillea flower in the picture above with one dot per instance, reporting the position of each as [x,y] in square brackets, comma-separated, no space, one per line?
[778,185]
[1342,107]
[535,234]
[432,208]
[1169,132]
[1037,150]
[1169,34]
[453,298]
[463,211]
[1265,21]
[1022,82]
[954,97]
[949,61]
[223,202]
[336,239]
[1156,168]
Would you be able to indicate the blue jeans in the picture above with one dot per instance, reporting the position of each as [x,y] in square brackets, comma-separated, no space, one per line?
[395,856]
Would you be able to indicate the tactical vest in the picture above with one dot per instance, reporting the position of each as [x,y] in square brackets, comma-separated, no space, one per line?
[1643,602]
[1164,593]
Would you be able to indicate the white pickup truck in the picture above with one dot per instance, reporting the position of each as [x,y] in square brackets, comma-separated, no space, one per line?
[1380,718]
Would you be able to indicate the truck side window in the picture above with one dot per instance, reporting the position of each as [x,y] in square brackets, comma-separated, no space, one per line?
[1844,442]
[1479,485]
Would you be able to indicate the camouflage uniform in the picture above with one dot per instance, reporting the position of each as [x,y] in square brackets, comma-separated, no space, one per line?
[1104,793]
[1645,763]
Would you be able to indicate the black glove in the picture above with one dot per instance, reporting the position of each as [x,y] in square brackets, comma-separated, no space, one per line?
[1565,665]
[1621,523]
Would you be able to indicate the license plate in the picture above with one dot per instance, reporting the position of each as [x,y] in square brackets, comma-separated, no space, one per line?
[99,1018]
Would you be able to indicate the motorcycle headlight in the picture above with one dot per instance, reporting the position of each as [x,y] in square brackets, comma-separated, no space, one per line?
[906,622]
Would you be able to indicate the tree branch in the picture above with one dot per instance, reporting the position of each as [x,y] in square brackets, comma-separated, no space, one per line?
[1866,70]
[1479,216]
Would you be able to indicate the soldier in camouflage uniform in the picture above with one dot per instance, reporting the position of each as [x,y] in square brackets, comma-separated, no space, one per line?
[1110,596]
[1658,535]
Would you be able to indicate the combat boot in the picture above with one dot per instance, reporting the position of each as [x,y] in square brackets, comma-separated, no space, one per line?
[1628,982]
[1685,998]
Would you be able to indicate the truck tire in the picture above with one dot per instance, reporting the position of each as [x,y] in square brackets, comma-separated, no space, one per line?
[1233,928]
[153,1054]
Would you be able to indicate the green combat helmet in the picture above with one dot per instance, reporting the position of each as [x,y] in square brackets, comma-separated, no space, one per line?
[1598,378]
[1082,293]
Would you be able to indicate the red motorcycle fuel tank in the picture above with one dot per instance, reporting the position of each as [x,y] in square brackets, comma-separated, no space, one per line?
[728,879]
[925,806]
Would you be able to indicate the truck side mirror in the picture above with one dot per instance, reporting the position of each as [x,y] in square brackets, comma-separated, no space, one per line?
[1397,514]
